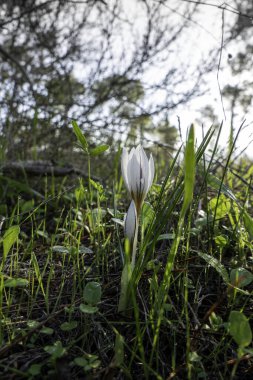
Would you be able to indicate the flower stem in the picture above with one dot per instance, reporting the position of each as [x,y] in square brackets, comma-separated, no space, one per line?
[134,249]
[126,276]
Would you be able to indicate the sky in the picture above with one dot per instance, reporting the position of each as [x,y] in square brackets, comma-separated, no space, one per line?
[205,33]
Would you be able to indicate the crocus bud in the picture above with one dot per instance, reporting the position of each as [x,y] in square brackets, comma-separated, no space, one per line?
[130,222]
[138,174]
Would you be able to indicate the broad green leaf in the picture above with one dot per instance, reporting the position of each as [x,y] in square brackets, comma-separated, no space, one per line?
[98,150]
[83,250]
[241,277]
[88,362]
[32,324]
[119,350]
[80,136]
[189,170]
[239,328]
[60,249]
[15,282]
[9,238]
[68,326]
[248,223]
[42,233]
[34,369]
[221,241]
[80,361]
[216,265]
[47,330]
[56,350]
[70,250]
[125,280]
[87,309]
[92,293]
[27,206]
[93,365]
[222,206]
[194,357]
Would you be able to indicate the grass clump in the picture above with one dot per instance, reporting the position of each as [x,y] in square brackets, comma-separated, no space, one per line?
[189,315]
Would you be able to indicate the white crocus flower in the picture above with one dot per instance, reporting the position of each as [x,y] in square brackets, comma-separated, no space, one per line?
[138,174]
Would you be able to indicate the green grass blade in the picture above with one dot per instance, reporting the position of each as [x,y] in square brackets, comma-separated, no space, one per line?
[80,137]
[189,170]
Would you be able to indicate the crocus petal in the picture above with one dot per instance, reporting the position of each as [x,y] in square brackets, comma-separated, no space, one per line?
[133,173]
[124,164]
[145,171]
[131,222]
[132,152]
[138,174]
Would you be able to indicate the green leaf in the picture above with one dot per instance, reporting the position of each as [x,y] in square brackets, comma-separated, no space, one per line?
[118,221]
[87,309]
[56,350]
[82,362]
[189,170]
[98,150]
[37,272]
[47,330]
[147,215]
[41,233]
[240,277]
[68,326]
[70,250]
[215,321]
[80,192]
[97,186]
[32,324]
[194,357]
[9,238]
[166,237]
[248,351]
[84,250]
[125,281]
[15,282]
[80,136]
[248,223]
[35,369]
[92,293]
[168,307]
[27,206]
[216,265]
[119,350]
[221,241]
[215,183]
[60,249]
[222,206]
[239,328]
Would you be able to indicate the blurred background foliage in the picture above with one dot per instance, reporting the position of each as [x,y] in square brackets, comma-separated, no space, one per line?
[110,65]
